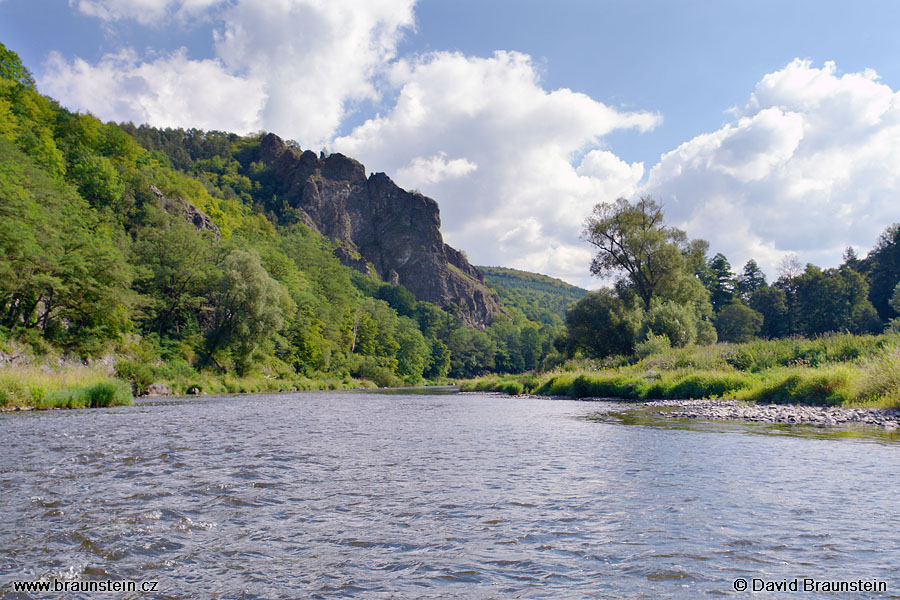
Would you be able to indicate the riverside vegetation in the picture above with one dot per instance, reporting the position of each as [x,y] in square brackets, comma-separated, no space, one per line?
[834,370]
[834,334]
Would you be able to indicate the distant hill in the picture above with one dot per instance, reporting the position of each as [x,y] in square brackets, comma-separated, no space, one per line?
[541,298]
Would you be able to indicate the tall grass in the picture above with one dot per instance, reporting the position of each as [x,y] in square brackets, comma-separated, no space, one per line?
[840,369]
[74,387]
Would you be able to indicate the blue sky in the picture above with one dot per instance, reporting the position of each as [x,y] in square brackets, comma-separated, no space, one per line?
[768,128]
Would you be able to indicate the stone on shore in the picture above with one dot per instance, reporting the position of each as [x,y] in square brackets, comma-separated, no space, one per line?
[155,390]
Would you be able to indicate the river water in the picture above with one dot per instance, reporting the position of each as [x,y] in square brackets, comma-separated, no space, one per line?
[334,495]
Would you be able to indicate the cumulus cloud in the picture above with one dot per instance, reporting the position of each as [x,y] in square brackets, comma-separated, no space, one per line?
[809,166]
[434,169]
[524,204]
[171,91]
[294,66]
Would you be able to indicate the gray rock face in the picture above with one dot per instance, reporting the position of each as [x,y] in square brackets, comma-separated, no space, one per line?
[395,230]
[191,213]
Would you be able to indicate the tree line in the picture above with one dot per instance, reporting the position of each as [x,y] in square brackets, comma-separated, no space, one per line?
[667,291]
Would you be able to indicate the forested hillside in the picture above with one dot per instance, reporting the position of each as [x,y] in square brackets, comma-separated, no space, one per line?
[541,298]
[171,250]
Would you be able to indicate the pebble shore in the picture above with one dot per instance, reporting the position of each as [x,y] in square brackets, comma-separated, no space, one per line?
[778,413]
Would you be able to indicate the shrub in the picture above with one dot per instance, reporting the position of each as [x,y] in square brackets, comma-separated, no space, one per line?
[140,374]
[513,388]
[107,393]
[654,344]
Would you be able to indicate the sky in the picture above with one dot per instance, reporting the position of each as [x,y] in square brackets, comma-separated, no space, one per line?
[767,128]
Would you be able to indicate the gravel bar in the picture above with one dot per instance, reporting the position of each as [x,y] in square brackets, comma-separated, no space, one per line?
[778,413]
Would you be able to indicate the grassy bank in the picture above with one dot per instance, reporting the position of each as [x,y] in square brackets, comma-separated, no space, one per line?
[35,377]
[65,387]
[836,370]
[75,386]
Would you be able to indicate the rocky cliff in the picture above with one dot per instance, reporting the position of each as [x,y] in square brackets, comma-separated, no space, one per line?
[398,232]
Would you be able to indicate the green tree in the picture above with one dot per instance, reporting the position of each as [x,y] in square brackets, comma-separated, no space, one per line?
[882,266]
[11,68]
[176,271]
[471,352]
[531,347]
[248,308]
[677,322]
[412,352]
[771,303]
[851,260]
[633,241]
[61,269]
[508,343]
[438,360]
[97,181]
[832,300]
[720,281]
[751,279]
[738,323]
[601,324]
[399,298]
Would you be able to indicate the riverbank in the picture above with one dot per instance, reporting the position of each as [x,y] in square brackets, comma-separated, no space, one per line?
[80,386]
[29,380]
[834,371]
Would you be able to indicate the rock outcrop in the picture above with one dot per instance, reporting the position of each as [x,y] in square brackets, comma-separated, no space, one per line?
[188,211]
[398,232]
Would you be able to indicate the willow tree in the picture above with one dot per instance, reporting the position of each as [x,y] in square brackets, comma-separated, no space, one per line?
[634,243]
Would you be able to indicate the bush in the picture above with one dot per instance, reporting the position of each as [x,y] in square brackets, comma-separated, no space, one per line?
[140,374]
[675,321]
[108,393]
[513,388]
[654,344]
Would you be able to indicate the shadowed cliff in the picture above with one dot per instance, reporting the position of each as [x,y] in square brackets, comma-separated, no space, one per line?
[378,223]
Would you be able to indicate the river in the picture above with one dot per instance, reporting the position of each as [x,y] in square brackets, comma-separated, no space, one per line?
[352,494]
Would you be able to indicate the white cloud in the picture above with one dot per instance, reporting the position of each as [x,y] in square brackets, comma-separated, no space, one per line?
[143,11]
[298,65]
[525,203]
[810,165]
[314,57]
[434,169]
[171,91]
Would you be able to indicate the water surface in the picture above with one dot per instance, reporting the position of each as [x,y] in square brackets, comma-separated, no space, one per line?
[333,495]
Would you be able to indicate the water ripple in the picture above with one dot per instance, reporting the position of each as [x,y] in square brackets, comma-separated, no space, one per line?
[416,496]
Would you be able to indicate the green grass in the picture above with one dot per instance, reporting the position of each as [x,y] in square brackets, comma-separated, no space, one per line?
[835,370]
[73,387]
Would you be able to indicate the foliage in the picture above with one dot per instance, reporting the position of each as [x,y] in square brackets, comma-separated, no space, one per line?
[633,241]
[77,387]
[249,309]
[738,322]
[11,68]
[720,281]
[882,267]
[60,266]
[601,324]
[677,322]
[750,280]
[653,344]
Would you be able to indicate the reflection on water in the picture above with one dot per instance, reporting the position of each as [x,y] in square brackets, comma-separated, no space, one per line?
[335,495]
